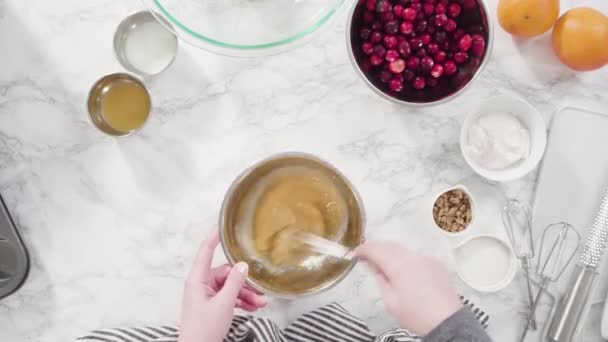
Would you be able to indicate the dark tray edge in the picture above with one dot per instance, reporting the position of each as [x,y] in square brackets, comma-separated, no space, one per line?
[24,275]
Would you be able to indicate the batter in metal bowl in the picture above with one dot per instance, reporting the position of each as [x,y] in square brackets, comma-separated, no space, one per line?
[295,199]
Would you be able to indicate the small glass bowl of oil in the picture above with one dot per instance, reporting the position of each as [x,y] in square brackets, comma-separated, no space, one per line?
[119,104]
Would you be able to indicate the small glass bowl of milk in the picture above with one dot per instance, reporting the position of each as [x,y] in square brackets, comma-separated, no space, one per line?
[145,44]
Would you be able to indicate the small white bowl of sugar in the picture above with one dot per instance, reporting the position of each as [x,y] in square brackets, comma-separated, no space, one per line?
[504,138]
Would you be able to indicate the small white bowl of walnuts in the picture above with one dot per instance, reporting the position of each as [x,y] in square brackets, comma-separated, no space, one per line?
[454,210]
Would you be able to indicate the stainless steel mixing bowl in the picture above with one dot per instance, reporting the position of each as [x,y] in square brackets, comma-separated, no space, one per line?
[356,10]
[295,283]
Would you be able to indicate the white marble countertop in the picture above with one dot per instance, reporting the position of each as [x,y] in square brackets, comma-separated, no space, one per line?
[112,224]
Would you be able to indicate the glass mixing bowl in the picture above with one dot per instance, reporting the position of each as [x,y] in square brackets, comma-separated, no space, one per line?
[245,28]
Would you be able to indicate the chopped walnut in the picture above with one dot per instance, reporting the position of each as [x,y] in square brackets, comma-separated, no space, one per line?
[452,211]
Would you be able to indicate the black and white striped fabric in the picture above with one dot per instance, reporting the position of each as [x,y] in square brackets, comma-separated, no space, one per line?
[331,323]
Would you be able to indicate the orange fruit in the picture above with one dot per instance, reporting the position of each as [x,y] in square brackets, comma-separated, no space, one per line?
[580,39]
[527,18]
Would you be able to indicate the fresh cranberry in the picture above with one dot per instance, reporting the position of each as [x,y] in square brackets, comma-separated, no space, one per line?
[421,25]
[450,25]
[364,33]
[446,45]
[417,6]
[421,15]
[397,66]
[440,9]
[449,68]
[432,82]
[375,37]
[398,77]
[460,78]
[430,1]
[370,5]
[473,63]
[431,28]
[419,83]
[377,26]
[469,4]
[441,19]
[421,52]
[439,37]
[454,10]
[439,57]
[409,14]
[392,55]
[426,63]
[390,41]
[464,44]
[375,60]
[416,43]
[404,3]
[408,75]
[478,45]
[379,50]
[475,29]
[369,17]
[366,66]
[395,85]
[412,63]
[407,27]
[433,48]
[391,27]
[458,34]
[437,70]
[367,48]
[385,76]
[398,10]
[386,17]
[383,6]
[460,57]
[426,38]
[404,49]
[428,8]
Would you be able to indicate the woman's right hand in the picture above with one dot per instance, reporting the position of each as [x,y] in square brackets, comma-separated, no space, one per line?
[417,289]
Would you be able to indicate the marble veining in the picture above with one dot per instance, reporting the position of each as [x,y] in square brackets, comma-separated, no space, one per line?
[112,224]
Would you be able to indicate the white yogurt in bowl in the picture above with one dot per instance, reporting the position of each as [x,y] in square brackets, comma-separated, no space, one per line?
[498,140]
[503,139]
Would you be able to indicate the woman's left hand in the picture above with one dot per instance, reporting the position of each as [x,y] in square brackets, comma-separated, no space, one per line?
[211,294]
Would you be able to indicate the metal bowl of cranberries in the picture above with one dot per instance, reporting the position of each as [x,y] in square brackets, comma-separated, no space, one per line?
[419,52]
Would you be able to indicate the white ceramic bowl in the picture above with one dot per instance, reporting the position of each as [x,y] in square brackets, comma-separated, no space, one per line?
[529,117]
[467,230]
[477,263]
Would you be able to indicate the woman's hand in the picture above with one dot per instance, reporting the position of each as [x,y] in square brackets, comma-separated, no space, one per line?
[417,289]
[210,296]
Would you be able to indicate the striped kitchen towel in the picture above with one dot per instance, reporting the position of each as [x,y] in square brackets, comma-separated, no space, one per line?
[331,323]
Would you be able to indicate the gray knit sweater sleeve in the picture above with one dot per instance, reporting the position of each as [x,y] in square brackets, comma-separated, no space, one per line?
[460,327]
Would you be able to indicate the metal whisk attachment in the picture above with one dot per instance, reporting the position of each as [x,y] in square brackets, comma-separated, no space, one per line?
[558,247]
[517,221]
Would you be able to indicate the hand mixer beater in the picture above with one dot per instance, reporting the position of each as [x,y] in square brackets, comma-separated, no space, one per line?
[558,247]
[517,222]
